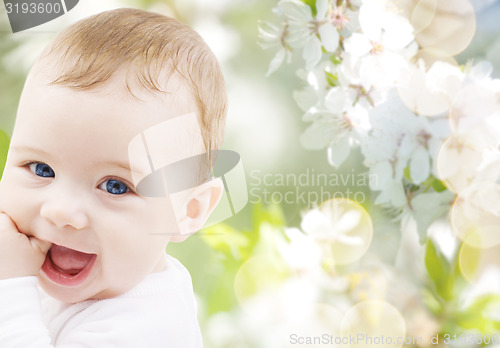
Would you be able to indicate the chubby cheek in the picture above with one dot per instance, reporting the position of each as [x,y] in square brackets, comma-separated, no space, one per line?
[164,217]
[126,265]
[17,201]
[133,247]
[5,191]
[3,197]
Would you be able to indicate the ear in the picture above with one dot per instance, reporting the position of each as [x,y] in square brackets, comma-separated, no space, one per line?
[198,206]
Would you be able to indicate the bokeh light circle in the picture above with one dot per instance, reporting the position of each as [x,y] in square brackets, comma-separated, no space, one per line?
[450,26]
[457,162]
[350,232]
[257,274]
[474,262]
[415,92]
[431,55]
[423,14]
[325,319]
[475,215]
[373,323]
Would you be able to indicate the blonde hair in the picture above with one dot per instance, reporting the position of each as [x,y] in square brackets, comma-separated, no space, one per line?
[92,50]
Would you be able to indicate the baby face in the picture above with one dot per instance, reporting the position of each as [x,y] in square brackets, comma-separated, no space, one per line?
[69,181]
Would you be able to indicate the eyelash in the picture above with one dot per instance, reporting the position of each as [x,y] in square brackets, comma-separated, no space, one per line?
[124,182]
[28,164]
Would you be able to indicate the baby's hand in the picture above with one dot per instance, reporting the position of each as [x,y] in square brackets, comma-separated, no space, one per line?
[20,255]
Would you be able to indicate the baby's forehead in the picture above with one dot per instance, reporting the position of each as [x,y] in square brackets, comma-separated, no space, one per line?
[142,81]
[166,122]
[174,97]
[168,143]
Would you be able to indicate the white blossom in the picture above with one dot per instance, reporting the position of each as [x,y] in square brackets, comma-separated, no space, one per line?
[369,92]
[432,92]
[332,225]
[270,36]
[400,139]
[301,252]
[308,31]
[384,36]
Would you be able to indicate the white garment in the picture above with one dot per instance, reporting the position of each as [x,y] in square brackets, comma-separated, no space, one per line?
[159,312]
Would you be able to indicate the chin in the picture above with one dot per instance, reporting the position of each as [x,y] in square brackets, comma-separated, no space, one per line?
[66,295]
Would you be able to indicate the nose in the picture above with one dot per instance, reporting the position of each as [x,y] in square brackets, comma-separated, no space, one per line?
[64,210]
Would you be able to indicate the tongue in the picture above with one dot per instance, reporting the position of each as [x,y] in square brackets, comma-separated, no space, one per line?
[68,260]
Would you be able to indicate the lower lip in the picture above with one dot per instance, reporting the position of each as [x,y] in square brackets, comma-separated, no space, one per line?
[64,279]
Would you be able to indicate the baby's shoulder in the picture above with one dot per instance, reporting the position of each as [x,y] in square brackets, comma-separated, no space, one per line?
[132,322]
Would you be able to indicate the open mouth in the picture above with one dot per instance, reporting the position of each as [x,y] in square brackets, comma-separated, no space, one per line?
[66,266]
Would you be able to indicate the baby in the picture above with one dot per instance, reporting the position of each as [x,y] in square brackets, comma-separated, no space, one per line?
[113,100]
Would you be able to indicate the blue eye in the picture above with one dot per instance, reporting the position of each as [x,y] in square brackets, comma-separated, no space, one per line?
[42,169]
[114,187]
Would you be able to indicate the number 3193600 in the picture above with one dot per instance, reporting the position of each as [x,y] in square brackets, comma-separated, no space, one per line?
[33,7]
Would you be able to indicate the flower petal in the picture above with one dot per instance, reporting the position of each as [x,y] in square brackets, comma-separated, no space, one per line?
[317,136]
[357,44]
[397,194]
[305,98]
[335,100]
[349,220]
[349,240]
[397,32]
[321,8]
[420,167]
[296,10]
[370,20]
[276,61]
[314,222]
[338,151]
[380,176]
[329,37]
[312,52]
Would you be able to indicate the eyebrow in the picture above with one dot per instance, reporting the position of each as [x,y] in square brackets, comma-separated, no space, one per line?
[31,149]
[123,166]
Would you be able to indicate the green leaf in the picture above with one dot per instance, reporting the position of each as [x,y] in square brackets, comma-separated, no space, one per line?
[435,183]
[457,279]
[437,266]
[335,59]
[476,315]
[4,148]
[227,240]
[312,5]
[446,275]
[428,207]
[430,301]
[438,185]
[271,214]
[439,269]
[406,173]
[332,79]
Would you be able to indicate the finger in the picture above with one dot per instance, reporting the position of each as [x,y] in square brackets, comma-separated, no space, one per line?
[7,221]
[41,245]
